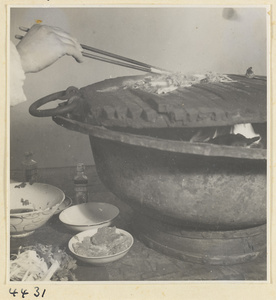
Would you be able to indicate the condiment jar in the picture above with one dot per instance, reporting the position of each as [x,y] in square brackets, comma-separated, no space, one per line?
[81,185]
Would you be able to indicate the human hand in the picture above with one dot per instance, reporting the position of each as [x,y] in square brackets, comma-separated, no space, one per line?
[43,45]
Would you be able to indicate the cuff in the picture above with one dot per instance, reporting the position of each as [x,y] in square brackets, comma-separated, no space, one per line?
[17,77]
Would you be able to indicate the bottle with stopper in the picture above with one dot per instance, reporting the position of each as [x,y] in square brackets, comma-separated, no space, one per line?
[81,185]
[30,168]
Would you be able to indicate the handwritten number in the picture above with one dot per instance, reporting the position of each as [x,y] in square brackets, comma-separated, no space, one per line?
[37,292]
[43,293]
[24,293]
[13,293]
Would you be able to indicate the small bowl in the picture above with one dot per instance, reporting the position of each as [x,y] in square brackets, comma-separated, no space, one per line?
[85,216]
[101,260]
[31,206]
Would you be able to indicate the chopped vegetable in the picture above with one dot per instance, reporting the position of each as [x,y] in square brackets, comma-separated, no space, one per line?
[27,266]
[163,84]
[41,263]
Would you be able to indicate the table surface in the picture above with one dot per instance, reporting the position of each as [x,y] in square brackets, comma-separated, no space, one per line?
[141,263]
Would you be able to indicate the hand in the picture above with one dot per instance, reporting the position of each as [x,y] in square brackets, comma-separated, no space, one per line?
[43,45]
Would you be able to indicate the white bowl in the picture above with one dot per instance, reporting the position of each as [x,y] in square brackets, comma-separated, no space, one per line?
[89,215]
[101,260]
[31,206]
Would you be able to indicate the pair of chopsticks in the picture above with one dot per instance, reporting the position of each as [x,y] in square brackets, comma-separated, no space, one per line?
[119,60]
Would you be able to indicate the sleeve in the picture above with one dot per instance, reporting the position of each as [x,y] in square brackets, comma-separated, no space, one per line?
[17,77]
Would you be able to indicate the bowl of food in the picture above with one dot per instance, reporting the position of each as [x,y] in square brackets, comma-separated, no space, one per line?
[31,206]
[99,246]
[90,215]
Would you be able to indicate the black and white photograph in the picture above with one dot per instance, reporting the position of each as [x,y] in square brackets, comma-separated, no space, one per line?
[139,144]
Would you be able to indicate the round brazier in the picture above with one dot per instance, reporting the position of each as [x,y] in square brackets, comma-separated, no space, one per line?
[146,152]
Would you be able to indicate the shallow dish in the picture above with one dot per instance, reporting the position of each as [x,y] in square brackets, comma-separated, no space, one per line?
[85,216]
[101,260]
[31,206]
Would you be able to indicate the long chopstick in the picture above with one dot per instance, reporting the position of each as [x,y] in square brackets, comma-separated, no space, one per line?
[115,62]
[131,63]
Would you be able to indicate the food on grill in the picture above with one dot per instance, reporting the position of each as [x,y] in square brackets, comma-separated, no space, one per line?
[178,107]
[105,242]
[163,84]
[173,101]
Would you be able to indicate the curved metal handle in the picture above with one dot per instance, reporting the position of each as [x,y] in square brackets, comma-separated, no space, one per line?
[73,96]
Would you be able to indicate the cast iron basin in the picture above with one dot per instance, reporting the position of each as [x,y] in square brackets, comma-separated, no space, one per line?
[190,186]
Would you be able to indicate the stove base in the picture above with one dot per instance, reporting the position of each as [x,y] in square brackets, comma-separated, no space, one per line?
[203,247]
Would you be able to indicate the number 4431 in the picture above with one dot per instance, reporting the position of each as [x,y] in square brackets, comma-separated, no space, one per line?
[25,292]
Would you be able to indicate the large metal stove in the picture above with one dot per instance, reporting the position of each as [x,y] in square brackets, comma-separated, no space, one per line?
[203,202]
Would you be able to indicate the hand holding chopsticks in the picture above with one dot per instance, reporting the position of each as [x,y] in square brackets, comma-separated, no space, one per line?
[116,59]
[43,45]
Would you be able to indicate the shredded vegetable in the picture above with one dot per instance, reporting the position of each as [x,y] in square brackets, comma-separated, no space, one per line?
[163,84]
[42,262]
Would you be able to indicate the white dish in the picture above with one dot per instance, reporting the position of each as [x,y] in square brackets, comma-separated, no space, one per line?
[84,216]
[102,260]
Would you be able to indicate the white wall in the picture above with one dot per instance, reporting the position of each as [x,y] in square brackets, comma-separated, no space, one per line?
[189,40]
